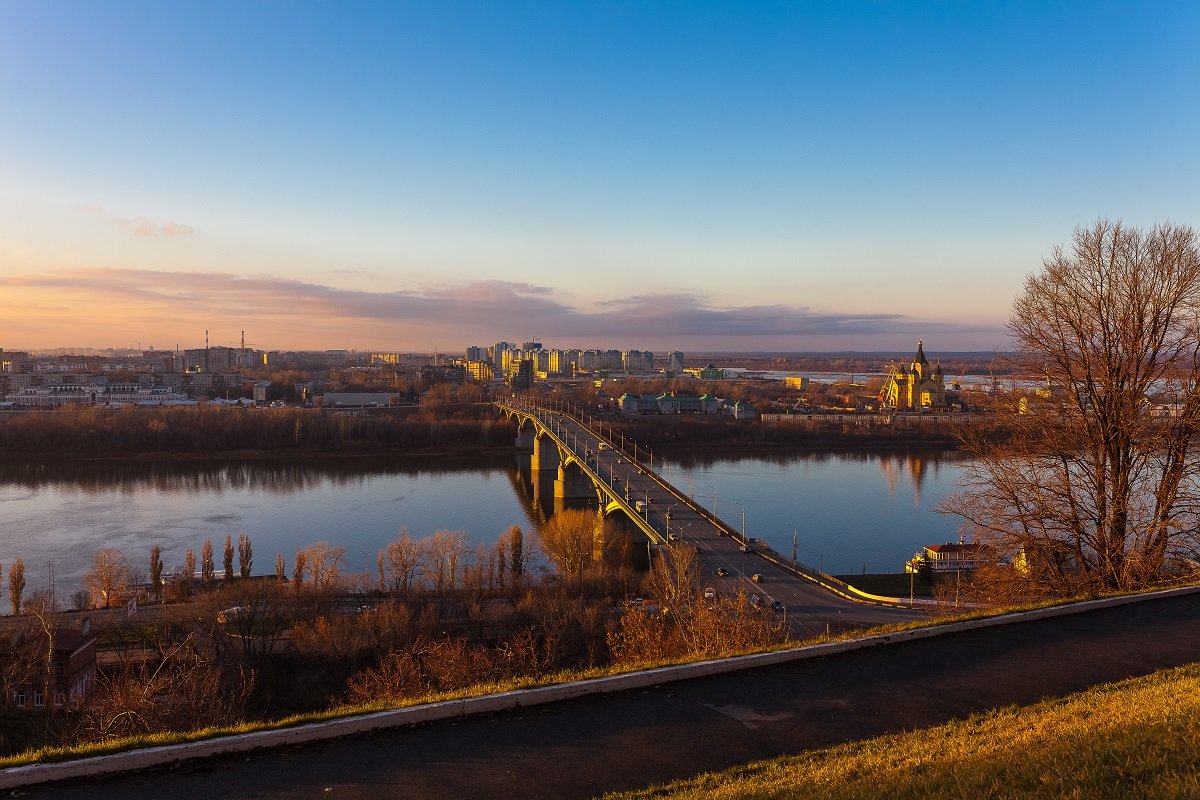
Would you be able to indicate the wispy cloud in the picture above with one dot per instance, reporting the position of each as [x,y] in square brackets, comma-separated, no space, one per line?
[140,227]
[479,311]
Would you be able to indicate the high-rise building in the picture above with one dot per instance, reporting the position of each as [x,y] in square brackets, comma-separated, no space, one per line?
[522,375]
[638,361]
[498,351]
[674,362]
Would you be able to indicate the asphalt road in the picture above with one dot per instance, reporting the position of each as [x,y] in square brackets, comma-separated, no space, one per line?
[634,739]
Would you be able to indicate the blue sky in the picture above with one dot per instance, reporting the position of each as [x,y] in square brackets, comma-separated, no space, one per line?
[773,176]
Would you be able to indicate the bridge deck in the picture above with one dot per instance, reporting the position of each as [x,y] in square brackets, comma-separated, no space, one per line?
[814,601]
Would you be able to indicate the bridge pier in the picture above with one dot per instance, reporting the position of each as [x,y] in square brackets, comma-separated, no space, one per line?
[545,454]
[572,483]
[526,435]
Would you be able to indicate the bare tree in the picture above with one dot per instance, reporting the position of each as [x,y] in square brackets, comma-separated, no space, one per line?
[109,573]
[156,570]
[45,612]
[674,578]
[208,569]
[189,571]
[569,537]
[516,561]
[444,550]
[298,572]
[1095,486]
[185,690]
[19,657]
[405,558]
[245,555]
[228,563]
[324,562]
[16,584]
[502,560]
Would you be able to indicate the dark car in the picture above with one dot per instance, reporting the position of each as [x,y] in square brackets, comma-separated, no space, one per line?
[722,572]
[778,606]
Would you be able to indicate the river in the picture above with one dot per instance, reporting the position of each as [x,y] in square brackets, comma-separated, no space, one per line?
[848,512]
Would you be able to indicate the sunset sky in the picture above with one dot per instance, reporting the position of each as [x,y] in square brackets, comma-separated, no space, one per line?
[803,176]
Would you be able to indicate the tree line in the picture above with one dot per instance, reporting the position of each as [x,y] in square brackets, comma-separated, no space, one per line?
[206,429]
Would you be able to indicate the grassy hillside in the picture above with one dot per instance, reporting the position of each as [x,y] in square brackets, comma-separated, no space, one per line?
[1139,738]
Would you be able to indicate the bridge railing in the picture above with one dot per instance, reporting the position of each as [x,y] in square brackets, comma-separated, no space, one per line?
[538,413]
[823,579]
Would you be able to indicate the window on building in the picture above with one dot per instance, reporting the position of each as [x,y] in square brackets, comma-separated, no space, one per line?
[60,698]
[19,698]
[39,698]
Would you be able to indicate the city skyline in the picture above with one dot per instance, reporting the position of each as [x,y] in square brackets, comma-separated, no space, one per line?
[777,177]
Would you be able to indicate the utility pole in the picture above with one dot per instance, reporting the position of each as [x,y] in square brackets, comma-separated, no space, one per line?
[50,581]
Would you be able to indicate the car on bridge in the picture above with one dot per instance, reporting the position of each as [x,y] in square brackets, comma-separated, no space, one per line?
[722,572]
[756,577]
[746,548]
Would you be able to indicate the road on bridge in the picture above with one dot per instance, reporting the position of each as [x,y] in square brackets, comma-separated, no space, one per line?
[634,739]
[728,562]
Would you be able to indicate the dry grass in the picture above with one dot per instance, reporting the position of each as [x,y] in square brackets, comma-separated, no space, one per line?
[1138,738]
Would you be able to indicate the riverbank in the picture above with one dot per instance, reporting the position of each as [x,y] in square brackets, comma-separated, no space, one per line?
[199,433]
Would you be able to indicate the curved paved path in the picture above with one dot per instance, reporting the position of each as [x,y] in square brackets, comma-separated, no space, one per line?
[582,748]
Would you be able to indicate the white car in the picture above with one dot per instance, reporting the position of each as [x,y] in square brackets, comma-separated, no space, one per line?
[710,593]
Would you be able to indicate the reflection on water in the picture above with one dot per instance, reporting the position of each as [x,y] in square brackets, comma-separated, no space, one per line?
[847,511]
[63,513]
[843,512]
[215,476]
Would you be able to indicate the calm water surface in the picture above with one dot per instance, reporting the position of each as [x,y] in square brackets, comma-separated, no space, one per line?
[850,511]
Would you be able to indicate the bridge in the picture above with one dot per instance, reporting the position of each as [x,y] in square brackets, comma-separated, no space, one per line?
[592,461]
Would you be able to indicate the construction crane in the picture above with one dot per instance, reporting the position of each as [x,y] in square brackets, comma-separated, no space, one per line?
[887,392]
[242,346]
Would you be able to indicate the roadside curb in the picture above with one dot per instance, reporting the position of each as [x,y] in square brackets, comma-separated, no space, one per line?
[31,774]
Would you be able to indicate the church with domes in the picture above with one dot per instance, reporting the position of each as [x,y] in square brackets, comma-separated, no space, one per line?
[917,387]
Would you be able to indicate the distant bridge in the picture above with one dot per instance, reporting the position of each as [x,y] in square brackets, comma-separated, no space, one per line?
[589,465]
